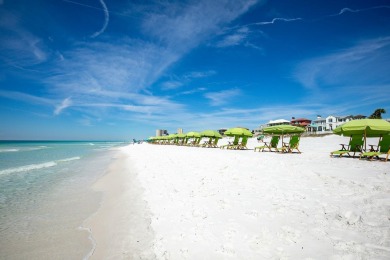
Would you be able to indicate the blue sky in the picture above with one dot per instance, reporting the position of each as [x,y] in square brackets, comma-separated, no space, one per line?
[117,70]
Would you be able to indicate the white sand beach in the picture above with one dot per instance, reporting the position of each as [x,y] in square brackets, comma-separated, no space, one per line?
[175,202]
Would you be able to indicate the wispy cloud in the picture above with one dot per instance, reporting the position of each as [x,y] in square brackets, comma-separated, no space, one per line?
[222,97]
[20,48]
[350,10]
[179,81]
[278,19]
[67,102]
[192,91]
[350,66]
[185,26]
[235,38]
[106,20]
[27,98]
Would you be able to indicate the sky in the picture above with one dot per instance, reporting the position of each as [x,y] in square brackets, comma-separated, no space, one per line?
[117,70]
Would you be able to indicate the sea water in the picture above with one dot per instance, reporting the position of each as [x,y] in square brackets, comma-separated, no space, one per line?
[45,195]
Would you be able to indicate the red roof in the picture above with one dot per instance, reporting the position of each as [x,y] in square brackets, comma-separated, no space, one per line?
[300,119]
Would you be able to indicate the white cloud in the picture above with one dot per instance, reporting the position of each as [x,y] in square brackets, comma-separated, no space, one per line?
[179,81]
[222,97]
[278,19]
[235,38]
[171,85]
[199,74]
[350,10]
[27,98]
[106,20]
[20,48]
[365,63]
[185,26]
[67,102]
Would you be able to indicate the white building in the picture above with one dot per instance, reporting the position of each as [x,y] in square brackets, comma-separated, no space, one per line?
[332,122]
[328,124]
[271,123]
[318,125]
[278,122]
[161,132]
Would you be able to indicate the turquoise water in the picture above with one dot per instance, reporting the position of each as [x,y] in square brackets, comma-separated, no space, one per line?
[45,195]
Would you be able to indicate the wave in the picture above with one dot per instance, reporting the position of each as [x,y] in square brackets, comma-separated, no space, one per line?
[38,166]
[28,167]
[70,159]
[22,149]
[8,150]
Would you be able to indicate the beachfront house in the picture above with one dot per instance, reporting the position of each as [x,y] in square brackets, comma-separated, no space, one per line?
[302,122]
[278,122]
[258,130]
[317,125]
[334,121]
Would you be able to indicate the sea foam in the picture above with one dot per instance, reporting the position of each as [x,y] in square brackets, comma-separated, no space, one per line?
[31,167]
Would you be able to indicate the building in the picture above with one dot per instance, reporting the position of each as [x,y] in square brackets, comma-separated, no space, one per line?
[328,124]
[332,122]
[180,130]
[278,122]
[302,122]
[318,125]
[160,132]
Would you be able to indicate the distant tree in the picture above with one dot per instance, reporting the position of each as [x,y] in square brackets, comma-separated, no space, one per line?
[377,114]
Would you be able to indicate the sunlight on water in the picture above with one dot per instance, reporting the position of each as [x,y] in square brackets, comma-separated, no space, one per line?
[45,197]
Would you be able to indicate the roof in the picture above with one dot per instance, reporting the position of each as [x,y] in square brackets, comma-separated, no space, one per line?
[277,121]
[300,119]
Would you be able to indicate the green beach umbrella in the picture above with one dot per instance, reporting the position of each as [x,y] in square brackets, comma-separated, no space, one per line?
[211,133]
[366,127]
[193,134]
[283,129]
[238,131]
[181,136]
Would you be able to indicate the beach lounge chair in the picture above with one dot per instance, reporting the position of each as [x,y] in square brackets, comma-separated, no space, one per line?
[272,144]
[235,142]
[291,145]
[240,146]
[214,143]
[383,148]
[355,145]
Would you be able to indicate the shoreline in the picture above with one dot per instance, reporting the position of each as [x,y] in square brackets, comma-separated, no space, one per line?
[120,228]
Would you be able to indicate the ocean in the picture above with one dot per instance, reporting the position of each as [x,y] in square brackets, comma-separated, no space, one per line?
[46,195]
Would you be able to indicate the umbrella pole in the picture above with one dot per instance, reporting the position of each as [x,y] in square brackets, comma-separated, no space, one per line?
[365,140]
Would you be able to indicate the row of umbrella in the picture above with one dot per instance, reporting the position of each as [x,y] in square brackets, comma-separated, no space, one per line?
[206,133]
[236,132]
[365,127]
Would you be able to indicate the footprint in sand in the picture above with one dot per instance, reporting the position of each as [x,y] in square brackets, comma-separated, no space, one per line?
[223,204]
[261,244]
[252,213]
[290,235]
[227,250]
[199,214]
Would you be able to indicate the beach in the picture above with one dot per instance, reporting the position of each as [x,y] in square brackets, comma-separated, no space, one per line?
[177,202]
